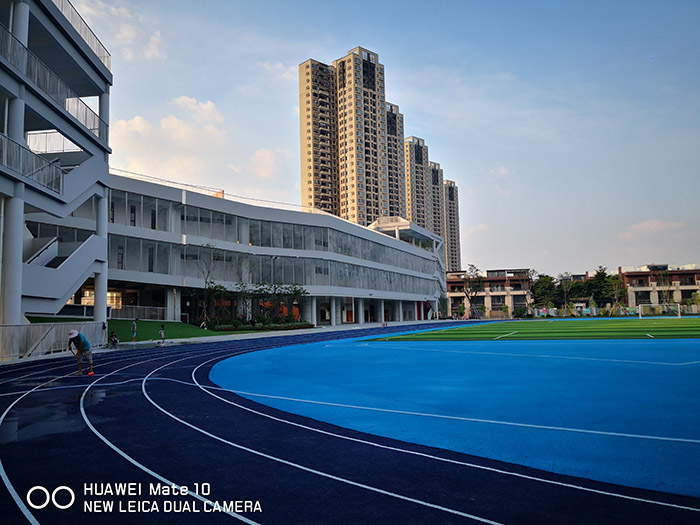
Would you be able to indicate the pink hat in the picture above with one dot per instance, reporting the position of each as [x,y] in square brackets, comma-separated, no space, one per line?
[72,334]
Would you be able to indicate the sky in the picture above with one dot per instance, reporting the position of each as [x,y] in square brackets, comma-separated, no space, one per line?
[572,129]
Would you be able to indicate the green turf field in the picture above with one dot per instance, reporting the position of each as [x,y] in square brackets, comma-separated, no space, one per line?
[628,328]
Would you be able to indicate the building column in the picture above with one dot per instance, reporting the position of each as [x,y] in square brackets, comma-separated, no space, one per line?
[400,305]
[173,304]
[15,118]
[360,317]
[104,116]
[381,311]
[311,305]
[334,315]
[100,305]
[20,22]
[12,246]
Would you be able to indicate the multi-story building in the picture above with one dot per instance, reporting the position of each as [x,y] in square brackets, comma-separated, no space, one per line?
[318,119]
[453,251]
[437,197]
[53,159]
[494,294]
[418,194]
[166,240]
[395,161]
[660,284]
[343,106]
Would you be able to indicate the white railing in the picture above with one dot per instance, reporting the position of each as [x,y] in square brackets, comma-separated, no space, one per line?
[50,142]
[40,339]
[28,164]
[143,313]
[48,82]
[84,31]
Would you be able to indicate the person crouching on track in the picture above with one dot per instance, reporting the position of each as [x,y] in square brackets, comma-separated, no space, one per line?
[82,348]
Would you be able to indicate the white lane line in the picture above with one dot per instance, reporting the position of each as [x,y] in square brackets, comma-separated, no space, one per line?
[505,335]
[10,488]
[429,456]
[474,420]
[548,356]
[302,467]
[132,460]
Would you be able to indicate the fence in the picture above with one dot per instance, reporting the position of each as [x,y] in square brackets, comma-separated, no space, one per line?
[144,313]
[41,339]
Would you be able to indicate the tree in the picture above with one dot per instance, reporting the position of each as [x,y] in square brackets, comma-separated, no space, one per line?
[543,290]
[473,286]
[601,288]
[565,283]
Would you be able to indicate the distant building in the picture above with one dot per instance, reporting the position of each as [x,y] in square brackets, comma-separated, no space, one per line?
[351,139]
[511,288]
[660,284]
[453,252]
[355,162]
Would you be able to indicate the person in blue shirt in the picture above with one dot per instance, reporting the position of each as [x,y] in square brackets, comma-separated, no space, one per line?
[82,348]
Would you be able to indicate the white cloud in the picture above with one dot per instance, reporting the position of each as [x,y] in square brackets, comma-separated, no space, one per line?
[279,70]
[647,228]
[501,171]
[200,111]
[154,48]
[123,30]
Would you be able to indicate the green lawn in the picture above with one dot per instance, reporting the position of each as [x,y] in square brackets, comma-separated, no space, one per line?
[628,328]
[145,330]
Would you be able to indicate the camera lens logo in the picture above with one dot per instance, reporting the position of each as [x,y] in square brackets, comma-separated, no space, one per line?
[39,497]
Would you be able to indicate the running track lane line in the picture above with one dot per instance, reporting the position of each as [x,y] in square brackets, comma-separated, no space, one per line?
[474,420]
[129,458]
[10,488]
[302,467]
[436,458]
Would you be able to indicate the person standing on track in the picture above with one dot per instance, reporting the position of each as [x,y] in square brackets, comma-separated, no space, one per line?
[133,330]
[82,348]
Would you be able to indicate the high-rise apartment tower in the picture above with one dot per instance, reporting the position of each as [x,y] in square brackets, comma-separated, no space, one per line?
[351,139]
[452,244]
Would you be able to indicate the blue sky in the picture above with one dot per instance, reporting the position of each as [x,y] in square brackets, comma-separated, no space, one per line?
[572,129]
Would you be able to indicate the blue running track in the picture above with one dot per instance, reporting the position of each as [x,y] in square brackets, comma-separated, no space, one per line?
[152,419]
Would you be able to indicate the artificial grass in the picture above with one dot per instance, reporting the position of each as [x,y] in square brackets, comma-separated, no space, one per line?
[146,330]
[628,328]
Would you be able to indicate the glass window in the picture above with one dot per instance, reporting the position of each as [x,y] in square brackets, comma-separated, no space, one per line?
[82,235]
[66,234]
[218,265]
[134,207]
[277,235]
[163,221]
[278,270]
[309,238]
[133,255]
[191,254]
[191,220]
[148,261]
[288,236]
[231,228]
[149,212]
[117,245]
[117,205]
[266,270]
[162,258]
[254,232]
[265,233]
[288,270]
[243,230]
[298,237]
[299,277]
[254,269]
[205,223]
[218,230]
